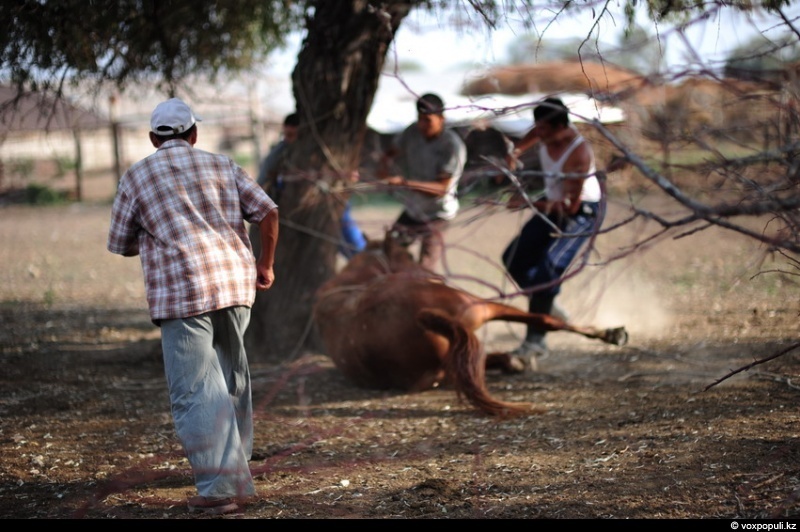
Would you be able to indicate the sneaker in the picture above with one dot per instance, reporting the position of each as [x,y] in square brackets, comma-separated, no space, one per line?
[532,348]
[529,351]
[212,505]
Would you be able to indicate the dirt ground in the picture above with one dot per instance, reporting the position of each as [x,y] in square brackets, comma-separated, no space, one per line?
[630,432]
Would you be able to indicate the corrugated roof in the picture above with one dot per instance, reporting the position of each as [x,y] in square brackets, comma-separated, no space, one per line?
[39,112]
[394,106]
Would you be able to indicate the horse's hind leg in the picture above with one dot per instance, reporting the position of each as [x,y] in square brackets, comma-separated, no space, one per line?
[546,322]
[615,336]
[486,311]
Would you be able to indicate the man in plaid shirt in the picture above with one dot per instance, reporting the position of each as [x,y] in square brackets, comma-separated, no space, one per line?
[183,211]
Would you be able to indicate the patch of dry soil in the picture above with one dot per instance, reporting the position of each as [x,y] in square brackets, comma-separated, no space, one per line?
[630,432]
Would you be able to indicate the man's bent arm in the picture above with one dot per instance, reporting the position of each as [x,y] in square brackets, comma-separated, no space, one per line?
[268,229]
[436,188]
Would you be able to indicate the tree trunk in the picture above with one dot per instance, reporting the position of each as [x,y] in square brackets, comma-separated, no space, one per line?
[334,83]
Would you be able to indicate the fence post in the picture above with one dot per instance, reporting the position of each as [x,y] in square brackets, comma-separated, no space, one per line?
[78,165]
[112,113]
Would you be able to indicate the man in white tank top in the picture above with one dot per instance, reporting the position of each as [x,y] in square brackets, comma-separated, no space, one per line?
[537,258]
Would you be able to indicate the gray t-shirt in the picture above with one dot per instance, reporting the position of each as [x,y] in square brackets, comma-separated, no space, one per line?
[272,163]
[421,159]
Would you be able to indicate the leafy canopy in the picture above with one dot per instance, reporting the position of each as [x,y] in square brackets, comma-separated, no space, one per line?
[47,42]
[677,10]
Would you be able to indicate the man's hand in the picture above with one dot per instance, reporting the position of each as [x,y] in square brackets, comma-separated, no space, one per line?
[394,180]
[512,159]
[268,228]
[265,276]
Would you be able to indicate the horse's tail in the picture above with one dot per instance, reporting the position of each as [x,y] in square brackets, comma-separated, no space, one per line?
[466,365]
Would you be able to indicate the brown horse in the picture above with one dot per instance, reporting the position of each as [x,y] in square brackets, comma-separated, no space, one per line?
[388,323]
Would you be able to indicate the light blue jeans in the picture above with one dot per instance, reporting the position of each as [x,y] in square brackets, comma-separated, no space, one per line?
[210,396]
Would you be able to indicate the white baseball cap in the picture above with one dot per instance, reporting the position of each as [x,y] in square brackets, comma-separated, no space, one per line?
[172,117]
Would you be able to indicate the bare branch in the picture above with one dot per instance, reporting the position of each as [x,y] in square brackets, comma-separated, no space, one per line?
[752,365]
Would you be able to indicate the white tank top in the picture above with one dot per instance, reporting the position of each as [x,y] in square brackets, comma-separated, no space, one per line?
[553,180]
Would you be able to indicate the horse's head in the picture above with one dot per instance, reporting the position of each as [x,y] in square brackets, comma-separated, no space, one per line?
[395,248]
[379,257]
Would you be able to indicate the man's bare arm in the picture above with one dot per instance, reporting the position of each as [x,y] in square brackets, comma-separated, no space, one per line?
[436,188]
[268,229]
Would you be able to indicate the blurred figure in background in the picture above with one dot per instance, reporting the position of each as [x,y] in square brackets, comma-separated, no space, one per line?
[275,167]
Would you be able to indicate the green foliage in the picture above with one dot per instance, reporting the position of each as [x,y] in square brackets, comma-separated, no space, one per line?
[21,167]
[685,281]
[681,10]
[405,66]
[45,43]
[41,195]
[49,297]
[243,159]
[64,165]
[532,49]
[762,59]
[638,51]
[129,41]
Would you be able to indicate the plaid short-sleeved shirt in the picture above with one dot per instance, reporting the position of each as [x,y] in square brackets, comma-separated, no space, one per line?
[183,210]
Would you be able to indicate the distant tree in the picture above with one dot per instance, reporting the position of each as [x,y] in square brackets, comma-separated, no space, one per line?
[763,60]
[684,10]
[47,43]
[533,48]
[638,50]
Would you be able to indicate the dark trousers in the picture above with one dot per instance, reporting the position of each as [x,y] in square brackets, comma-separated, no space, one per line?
[539,256]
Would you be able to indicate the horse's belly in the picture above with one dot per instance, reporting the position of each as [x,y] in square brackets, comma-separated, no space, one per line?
[375,354]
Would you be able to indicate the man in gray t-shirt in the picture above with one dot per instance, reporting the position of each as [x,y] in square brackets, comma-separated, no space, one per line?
[430,160]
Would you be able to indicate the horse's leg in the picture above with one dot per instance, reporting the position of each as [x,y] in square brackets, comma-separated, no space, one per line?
[491,311]
[614,335]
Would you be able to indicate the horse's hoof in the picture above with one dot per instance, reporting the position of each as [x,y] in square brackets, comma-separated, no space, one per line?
[618,336]
[525,363]
[515,365]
